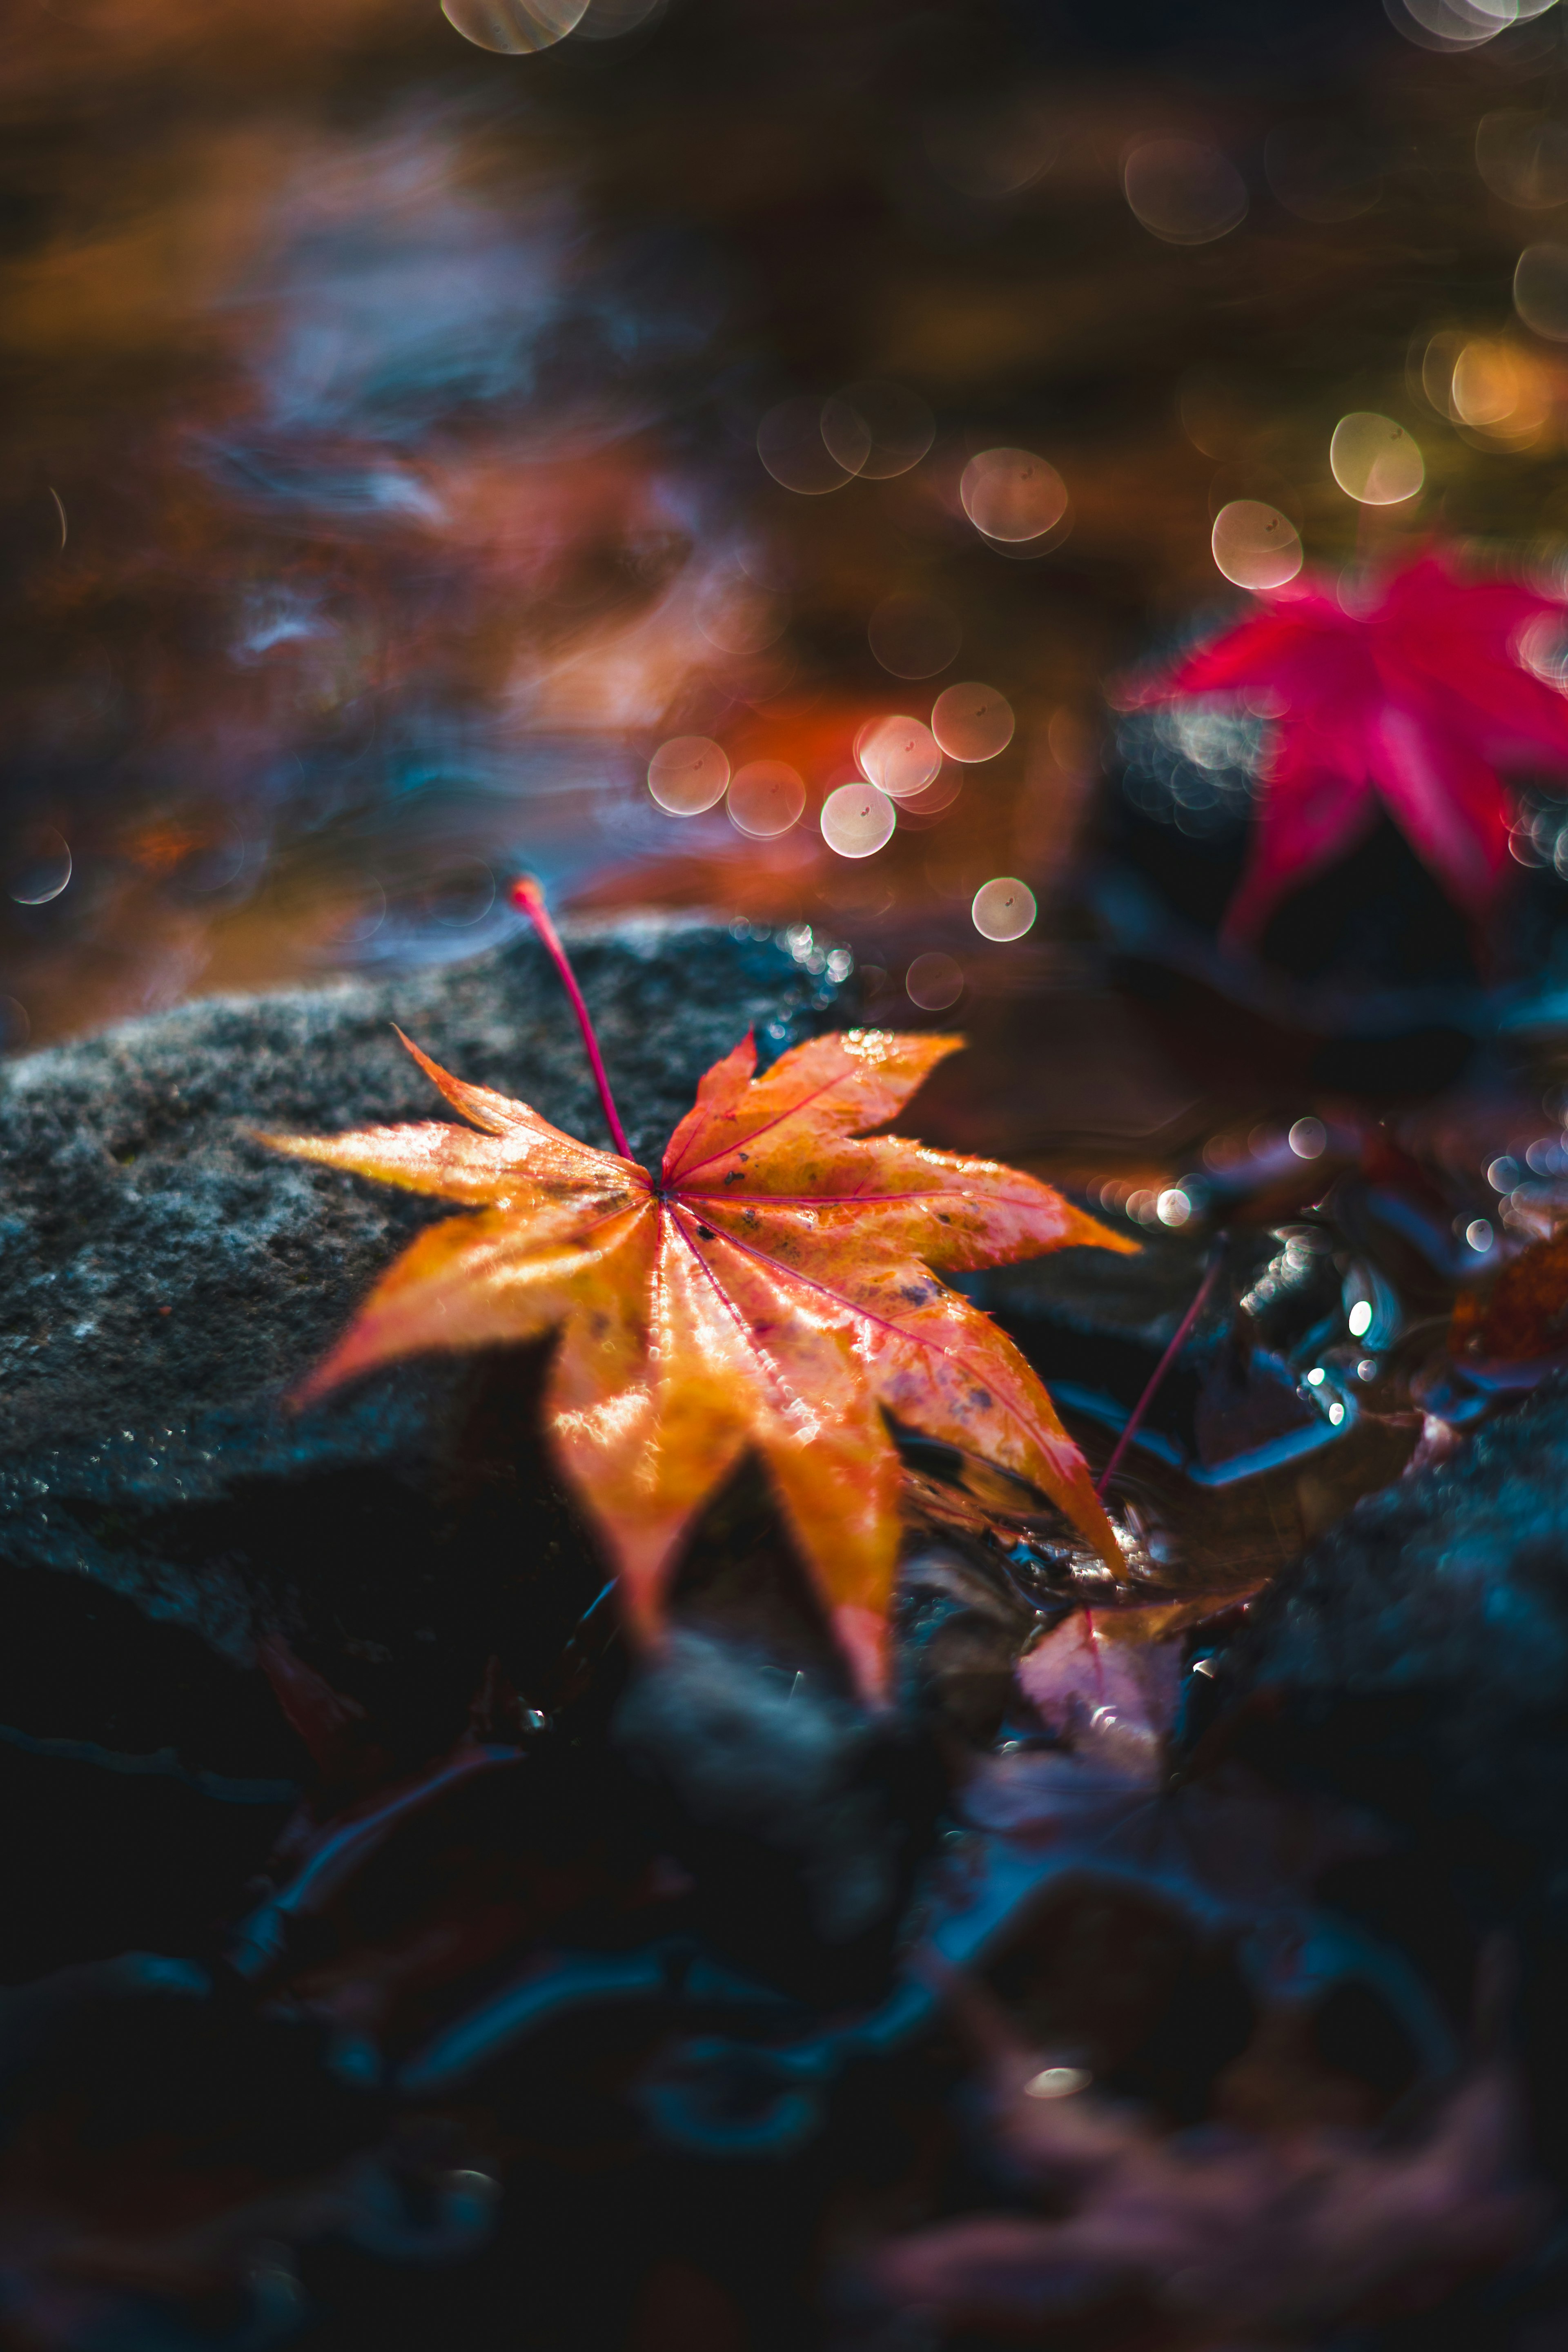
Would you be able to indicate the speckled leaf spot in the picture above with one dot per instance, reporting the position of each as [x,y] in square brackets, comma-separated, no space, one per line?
[774,1286]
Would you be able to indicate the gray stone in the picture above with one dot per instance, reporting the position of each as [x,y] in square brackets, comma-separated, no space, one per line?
[166,1280]
[154,1260]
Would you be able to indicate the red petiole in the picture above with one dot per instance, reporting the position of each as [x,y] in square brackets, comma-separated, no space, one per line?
[1153,1386]
[528,898]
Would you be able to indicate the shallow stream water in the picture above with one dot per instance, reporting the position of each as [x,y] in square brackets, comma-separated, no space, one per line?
[406,441]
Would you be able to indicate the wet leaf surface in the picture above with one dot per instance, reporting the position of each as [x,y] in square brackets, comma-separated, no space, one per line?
[772,1288]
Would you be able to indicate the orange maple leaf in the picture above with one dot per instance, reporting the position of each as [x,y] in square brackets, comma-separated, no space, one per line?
[772,1287]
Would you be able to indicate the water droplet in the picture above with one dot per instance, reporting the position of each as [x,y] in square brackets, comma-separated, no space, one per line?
[688,774]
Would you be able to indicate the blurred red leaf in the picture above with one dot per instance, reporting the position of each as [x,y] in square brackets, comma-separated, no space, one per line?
[1410,704]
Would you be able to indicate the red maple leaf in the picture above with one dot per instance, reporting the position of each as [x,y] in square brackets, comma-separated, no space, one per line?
[1411,703]
[773,1288]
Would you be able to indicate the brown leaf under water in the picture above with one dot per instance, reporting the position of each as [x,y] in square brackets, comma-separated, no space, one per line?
[1219,2236]
[1525,1312]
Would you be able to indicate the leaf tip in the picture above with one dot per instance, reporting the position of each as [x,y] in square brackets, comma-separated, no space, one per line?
[295,1147]
[317,1383]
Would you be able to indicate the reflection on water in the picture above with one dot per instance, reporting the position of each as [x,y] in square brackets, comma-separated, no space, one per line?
[433,454]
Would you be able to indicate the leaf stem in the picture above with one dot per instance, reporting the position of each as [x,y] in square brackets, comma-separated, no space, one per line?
[527,895]
[1151,1387]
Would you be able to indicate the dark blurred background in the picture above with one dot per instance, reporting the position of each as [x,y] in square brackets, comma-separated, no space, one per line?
[405,439]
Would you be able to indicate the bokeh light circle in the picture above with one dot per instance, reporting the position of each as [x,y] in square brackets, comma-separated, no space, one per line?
[1376,461]
[857,820]
[790,446]
[766,797]
[1182,190]
[939,795]
[607,20]
[1255,545]
[1541,290]
[1012,494]
[988,153]
[971,722]
[514,29]
[459,895]
[740,617]
[1005,909]
[688,774]
[1446,26]
[38,866]
[913,636]
[899,755]
[1523,158]
[1322,171]
[363,914]
[877,430]
[934,981]
[1500,390]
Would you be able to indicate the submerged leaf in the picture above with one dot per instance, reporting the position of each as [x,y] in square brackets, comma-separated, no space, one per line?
[1230,2235]
[1107,1686]
[1524,1315]
[774,1288]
